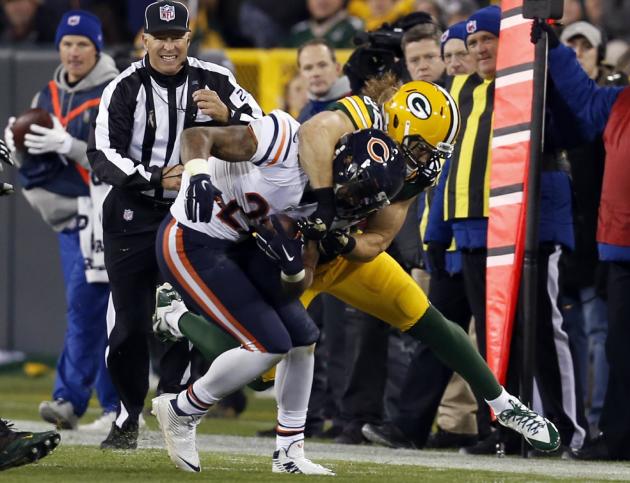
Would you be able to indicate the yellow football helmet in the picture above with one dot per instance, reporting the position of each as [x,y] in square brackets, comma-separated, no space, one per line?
[424,119]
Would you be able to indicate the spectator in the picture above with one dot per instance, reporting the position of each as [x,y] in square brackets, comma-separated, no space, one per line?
[454,52]
[421,49]
[56,181]
[27,22]
[328,20]
[426,377]
[460,201]
[586,40]
[318,65]
[135,148]
[605,110]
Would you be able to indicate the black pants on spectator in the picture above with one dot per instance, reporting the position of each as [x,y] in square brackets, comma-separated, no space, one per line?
[130,225]
[427,377]
[474,275]
[615,419]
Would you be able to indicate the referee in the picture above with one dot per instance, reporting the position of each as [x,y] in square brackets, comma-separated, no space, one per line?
[135,148]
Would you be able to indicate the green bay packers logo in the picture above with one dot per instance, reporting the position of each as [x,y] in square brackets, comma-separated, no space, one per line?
[378,150]
[419,105]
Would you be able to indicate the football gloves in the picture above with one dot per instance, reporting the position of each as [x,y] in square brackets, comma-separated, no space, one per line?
[44,140]
[319,222]
[8,134]
[280,247]
[200,196]
[538,26]
[337,242]
[428,172]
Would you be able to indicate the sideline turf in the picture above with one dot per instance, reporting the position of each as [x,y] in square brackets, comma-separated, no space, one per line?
[85,464]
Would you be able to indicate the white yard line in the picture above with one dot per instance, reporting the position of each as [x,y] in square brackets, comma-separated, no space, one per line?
[578,470]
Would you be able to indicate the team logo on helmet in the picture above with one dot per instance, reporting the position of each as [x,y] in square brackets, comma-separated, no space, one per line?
[419,105]
[378,150]
[167,13]
[471,26]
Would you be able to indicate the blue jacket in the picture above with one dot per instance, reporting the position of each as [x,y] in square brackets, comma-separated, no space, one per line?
[452,258]
[77,105]
[592,105]
[556,222]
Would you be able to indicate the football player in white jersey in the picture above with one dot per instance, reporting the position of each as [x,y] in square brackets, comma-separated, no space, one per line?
[206,251]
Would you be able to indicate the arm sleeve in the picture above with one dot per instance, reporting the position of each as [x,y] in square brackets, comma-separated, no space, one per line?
[110,138]
[590,103]
[438,229]
[276,135]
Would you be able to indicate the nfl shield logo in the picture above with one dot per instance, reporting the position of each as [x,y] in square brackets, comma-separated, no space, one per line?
[128,215]
[74,20]
[471,26]
[167,13]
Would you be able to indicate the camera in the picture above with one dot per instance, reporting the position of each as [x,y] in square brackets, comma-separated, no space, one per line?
[379,51]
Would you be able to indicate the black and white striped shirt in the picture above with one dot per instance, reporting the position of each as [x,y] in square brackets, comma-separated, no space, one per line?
[143,113]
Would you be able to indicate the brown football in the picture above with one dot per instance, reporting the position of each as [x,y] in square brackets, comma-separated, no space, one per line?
[22,124]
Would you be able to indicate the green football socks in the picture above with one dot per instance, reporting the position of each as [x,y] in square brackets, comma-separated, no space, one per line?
[453,347]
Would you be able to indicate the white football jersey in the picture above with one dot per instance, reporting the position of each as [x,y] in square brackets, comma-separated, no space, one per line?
[270,182]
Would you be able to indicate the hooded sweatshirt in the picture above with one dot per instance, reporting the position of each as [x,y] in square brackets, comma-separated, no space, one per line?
[316,104]
[52,182]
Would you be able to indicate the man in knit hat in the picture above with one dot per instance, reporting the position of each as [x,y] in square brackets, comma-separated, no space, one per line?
[54,174]
[454,52]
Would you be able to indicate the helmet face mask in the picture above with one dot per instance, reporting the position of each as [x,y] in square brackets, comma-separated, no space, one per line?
[368,171]
[417,153]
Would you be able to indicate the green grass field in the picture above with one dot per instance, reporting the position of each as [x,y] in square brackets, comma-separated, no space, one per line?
[77,461]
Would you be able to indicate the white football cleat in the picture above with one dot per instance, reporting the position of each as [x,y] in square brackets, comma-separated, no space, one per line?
[167,301]
[292,460]
[179,431]
[538,431]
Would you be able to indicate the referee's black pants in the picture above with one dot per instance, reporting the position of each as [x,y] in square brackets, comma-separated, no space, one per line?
[130,224]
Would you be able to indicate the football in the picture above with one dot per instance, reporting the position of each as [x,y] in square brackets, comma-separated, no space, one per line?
[22,124]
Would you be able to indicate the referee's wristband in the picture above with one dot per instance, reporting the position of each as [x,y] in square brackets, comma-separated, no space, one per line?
[197,166]
[298,277]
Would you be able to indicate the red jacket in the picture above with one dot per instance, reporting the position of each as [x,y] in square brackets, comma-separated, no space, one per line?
[614,209]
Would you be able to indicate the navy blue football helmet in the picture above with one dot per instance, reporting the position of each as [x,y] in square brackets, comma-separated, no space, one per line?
[368,171]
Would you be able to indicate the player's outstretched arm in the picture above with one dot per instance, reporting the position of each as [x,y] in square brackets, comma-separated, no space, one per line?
[231,143]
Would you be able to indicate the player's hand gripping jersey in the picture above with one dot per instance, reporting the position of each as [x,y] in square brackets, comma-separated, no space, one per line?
[270,182]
